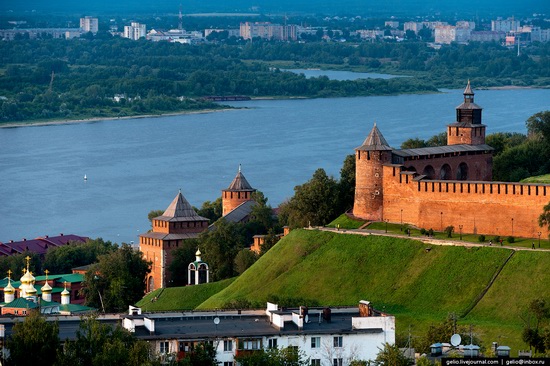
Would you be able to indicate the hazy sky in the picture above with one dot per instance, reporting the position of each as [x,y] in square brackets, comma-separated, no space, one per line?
[355,7]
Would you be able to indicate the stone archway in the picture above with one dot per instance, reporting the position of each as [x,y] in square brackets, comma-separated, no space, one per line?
[462,172]
[445,173]
[150,284]
[429,172]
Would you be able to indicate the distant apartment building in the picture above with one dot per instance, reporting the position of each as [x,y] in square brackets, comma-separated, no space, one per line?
[540,35]
[230,32]
[370,34]
[89,24]
[487,36]
[413,26]
[267,30]
[391,23]
[38,33]
[135,31]
[505,25]
[448,34]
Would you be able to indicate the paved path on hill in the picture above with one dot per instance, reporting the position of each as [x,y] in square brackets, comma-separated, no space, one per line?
[432,241]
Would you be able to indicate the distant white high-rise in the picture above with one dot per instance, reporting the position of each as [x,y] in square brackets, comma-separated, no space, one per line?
[89,24]
[135,31]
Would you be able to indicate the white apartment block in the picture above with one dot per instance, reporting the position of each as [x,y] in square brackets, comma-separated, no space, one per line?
[89,24]
[391,23]
[267,30]
[504,25]
[329,336]
[413,26]
[135,31]
[447,34]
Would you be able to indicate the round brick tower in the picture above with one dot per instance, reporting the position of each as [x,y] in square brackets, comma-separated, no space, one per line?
[239,191]
[369,158]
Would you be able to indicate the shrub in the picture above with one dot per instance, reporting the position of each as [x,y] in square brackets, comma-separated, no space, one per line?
[449,230]
[496,239]
[481,238]
[422,231]
[510,239]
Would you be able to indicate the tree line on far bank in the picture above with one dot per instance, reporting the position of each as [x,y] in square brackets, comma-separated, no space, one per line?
[79,78]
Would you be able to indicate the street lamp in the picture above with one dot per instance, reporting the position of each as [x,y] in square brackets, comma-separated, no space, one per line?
[401,220]
[460,228]
[441,221]
[386,225]
[512,226]
[539,233]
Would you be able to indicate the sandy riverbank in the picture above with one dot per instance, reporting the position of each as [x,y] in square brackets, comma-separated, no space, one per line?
[86,120]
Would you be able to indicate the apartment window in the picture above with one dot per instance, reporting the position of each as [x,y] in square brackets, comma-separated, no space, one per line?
[181,346]
[251,344]
[227,346]
[228,363]
[164,347]
[337,361]
[315,342]
[338,341]
[315,362]
[272,343]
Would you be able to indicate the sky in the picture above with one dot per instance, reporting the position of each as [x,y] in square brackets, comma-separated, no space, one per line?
[329,7]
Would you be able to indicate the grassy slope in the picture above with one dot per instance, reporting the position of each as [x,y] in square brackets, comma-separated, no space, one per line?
[420,287]
[539,179]
[181,298]
[339,269]
[523,279]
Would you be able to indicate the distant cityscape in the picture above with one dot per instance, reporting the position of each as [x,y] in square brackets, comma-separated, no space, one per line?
[507,31]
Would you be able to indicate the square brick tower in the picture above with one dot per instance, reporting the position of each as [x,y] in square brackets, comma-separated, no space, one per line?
[178,223]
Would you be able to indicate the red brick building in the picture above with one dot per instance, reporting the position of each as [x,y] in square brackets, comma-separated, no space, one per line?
[178,223]
[436,187]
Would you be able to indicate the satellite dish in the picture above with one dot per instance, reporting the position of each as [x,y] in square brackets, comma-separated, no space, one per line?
[455,340]
[216,320]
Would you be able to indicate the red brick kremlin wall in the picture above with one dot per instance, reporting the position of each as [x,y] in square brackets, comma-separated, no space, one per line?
[494,208]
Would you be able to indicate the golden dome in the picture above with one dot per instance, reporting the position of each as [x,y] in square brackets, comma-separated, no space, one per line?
[9,289]
[46,288]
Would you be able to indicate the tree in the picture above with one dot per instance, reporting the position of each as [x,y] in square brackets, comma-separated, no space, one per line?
[413,143]
[117,280]
[544,218]
[103,344]
[202,355]
[211,210]
[273,357]
[181,257]
[346,185]
[244,259]
[270,239]
[391,355]
[62,259]
[34,341]
[154,213]
[534,334]
[314,202]
[219,248]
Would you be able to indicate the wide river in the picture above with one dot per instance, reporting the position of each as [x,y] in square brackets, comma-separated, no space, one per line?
[137,165]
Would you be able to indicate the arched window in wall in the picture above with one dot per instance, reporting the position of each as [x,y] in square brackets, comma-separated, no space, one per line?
[445,173]
[429,172]
[462,172]
[150,284]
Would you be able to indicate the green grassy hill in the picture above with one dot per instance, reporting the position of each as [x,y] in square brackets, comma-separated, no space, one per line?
[538,179]
[418,283]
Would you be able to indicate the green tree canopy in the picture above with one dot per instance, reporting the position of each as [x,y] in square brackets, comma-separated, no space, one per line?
[117,280]
[34,341]
[62,259]
[314,202]
[219,248]
[99,344]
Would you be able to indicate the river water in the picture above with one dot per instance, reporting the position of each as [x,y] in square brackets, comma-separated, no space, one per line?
[137,165]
